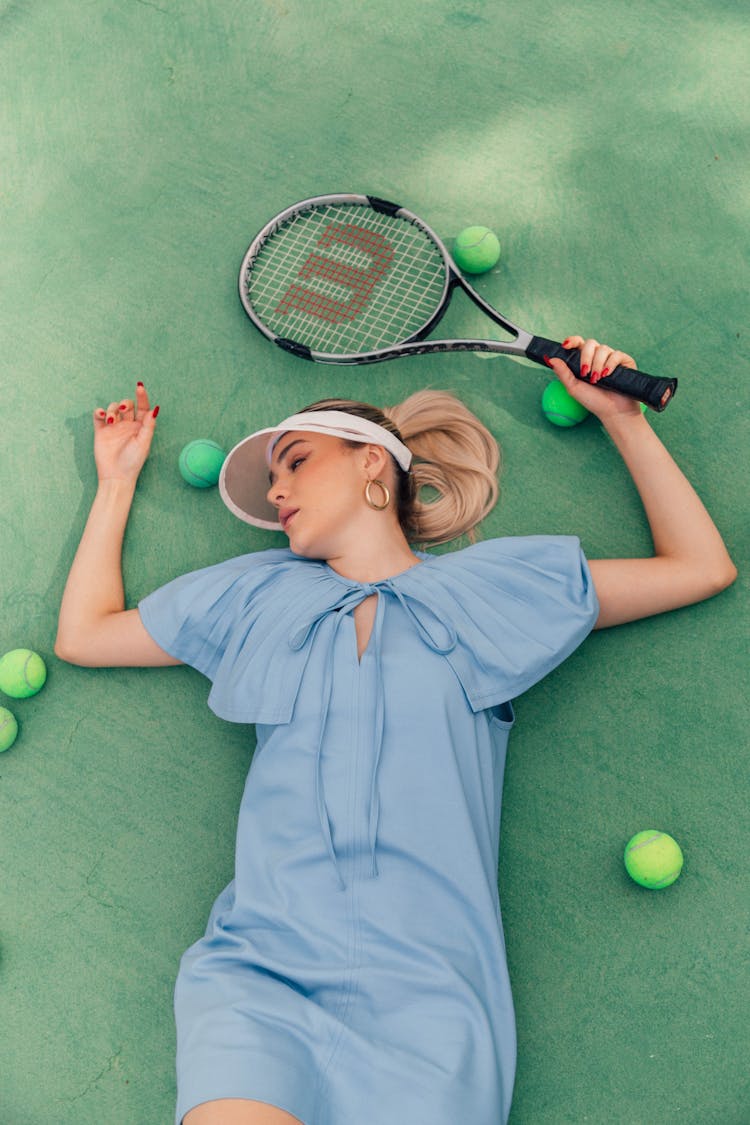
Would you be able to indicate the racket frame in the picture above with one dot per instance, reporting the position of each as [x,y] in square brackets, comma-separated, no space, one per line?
[412,343]
[656,392]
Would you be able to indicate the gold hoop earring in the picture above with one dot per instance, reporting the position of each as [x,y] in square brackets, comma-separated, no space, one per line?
[386,493]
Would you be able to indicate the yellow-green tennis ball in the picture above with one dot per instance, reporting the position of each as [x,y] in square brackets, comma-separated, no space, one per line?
[653,859]
[560,408]
[201,461]
[8,729]
[22,673]
[476,249]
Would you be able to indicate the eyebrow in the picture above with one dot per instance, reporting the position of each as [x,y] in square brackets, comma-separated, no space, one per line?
[282,455]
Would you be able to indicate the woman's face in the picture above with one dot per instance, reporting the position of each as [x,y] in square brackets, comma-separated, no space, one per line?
[317,484]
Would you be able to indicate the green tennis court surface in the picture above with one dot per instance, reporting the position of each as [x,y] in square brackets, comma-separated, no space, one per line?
[143,145]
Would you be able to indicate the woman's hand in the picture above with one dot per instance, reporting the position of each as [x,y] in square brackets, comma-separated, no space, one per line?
[122,436]
[597,361]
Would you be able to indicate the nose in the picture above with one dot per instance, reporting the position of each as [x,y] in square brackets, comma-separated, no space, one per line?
[276,494]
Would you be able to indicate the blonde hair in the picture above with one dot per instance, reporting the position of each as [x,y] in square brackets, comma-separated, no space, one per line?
[453,453]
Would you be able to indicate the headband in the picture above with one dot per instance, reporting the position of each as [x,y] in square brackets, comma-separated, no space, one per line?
[243,482]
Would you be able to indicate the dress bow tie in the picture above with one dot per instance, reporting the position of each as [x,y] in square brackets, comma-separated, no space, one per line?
[438,636]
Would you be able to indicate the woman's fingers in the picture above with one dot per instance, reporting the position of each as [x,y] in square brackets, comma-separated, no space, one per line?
[587,349]
[146,431]
[597,360]
[588,352]
[609,362]
[141,398]
[126,410]
[605,361]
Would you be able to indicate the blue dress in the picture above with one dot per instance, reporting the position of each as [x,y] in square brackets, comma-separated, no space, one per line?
[354,969]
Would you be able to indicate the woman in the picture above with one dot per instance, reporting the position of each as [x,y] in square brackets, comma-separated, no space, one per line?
[354,969]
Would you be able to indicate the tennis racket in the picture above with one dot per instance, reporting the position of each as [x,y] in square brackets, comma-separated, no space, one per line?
[353,279]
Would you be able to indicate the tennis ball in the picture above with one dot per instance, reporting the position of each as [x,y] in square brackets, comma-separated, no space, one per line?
[200,462]
[22,673]
[8,729]
[560,408]
[476,249]
[653,859]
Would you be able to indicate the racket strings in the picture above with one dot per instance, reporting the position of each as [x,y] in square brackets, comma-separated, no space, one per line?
[344,278]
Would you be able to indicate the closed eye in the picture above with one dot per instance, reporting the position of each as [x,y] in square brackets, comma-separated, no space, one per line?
[285,453]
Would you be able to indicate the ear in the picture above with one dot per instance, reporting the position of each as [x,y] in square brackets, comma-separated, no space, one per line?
[375,461]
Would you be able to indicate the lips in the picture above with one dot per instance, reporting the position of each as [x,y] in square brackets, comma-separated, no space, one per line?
[285,516]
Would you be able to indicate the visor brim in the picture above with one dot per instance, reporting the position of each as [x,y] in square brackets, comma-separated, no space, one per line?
[244,481]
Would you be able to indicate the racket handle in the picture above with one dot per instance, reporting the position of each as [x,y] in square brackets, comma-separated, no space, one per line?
[651,389]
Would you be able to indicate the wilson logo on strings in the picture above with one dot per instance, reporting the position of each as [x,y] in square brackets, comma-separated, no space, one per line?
[360,282]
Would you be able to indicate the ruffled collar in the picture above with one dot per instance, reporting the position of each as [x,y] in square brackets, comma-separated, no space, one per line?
[502,613]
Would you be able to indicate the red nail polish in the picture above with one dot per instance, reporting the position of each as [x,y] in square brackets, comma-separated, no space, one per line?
[122,406]
[110,421]
[565,342]
[605,372]
[584,370]
[546,360]
[156,411]
[140,384]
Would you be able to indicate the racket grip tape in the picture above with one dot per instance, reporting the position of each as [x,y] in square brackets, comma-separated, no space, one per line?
[655,391]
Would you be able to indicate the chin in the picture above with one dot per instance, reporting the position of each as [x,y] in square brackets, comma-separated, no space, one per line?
[308,548]
[299,547]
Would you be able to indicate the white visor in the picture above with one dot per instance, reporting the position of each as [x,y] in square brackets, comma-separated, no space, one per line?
[244,479]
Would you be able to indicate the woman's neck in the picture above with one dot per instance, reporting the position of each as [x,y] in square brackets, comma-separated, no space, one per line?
[366,561]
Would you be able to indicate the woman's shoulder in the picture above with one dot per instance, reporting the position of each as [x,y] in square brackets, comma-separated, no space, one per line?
[513,607]
[274,560]
[224,585]
[506,549]
[268,557]
[514,569]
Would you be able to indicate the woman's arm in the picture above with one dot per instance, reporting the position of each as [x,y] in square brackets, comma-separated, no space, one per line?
[690,562]
[94,628]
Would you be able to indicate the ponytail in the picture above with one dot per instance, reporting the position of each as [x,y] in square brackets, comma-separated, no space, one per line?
[456,456]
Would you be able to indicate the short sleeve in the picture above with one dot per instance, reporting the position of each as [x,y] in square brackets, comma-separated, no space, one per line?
[517,606]
[193,616]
